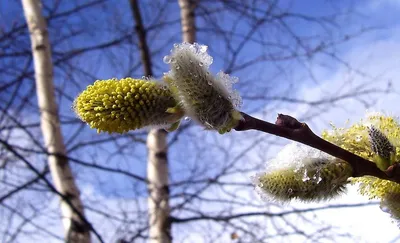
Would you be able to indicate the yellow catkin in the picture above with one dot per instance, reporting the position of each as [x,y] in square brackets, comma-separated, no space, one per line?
[317,179]
[391,204]
[355,139]
[127,104]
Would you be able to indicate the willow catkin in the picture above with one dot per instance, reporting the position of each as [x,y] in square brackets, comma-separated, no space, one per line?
[381,146]
[376,138]
[127,104]
[207,99]
[316,179]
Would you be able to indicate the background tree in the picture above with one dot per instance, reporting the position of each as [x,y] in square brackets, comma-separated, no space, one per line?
[157,161]
[77,228]
[272,46]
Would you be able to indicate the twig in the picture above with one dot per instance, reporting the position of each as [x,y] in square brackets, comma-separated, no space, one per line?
[52,188]
[288,127]
[268,214]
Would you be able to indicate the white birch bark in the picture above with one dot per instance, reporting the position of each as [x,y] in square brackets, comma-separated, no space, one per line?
[157,174]
[188,20]
[75,228]
[157,164]
[157,161]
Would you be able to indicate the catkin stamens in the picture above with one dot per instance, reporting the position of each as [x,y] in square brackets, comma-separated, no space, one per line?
[127,104]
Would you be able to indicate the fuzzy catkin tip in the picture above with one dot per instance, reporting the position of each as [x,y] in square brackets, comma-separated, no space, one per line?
[127,104]
[208,99]
[391,204]
[381,146]
[316,180]
[387,191]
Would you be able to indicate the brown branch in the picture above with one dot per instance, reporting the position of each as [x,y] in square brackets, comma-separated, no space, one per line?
[23,186]
[143,47]
[225,218]
[52,188]
[288,127]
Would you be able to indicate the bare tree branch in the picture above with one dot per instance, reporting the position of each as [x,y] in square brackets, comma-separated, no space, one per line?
[288,127]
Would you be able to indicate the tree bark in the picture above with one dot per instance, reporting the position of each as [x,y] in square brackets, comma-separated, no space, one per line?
[157,174]
[188,20]
[76,229]
[141,32]
[157,161]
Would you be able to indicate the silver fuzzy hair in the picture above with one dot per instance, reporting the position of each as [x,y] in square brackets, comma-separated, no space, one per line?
[380,144]
[209,100]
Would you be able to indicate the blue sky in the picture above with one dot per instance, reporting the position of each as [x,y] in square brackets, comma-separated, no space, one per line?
[375,53]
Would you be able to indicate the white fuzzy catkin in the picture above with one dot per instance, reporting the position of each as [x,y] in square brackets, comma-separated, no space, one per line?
[208,99]
[303,173]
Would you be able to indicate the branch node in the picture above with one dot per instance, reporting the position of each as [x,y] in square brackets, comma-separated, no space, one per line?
[393,170]
[288,122]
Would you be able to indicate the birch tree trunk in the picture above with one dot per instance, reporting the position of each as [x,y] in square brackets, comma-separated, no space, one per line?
[157,174]
[188,20]
[76,229]
[157,161]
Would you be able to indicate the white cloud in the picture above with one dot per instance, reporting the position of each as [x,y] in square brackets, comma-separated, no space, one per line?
[374,5]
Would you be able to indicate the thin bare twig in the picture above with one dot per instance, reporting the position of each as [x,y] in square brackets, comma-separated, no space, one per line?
[66,198]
